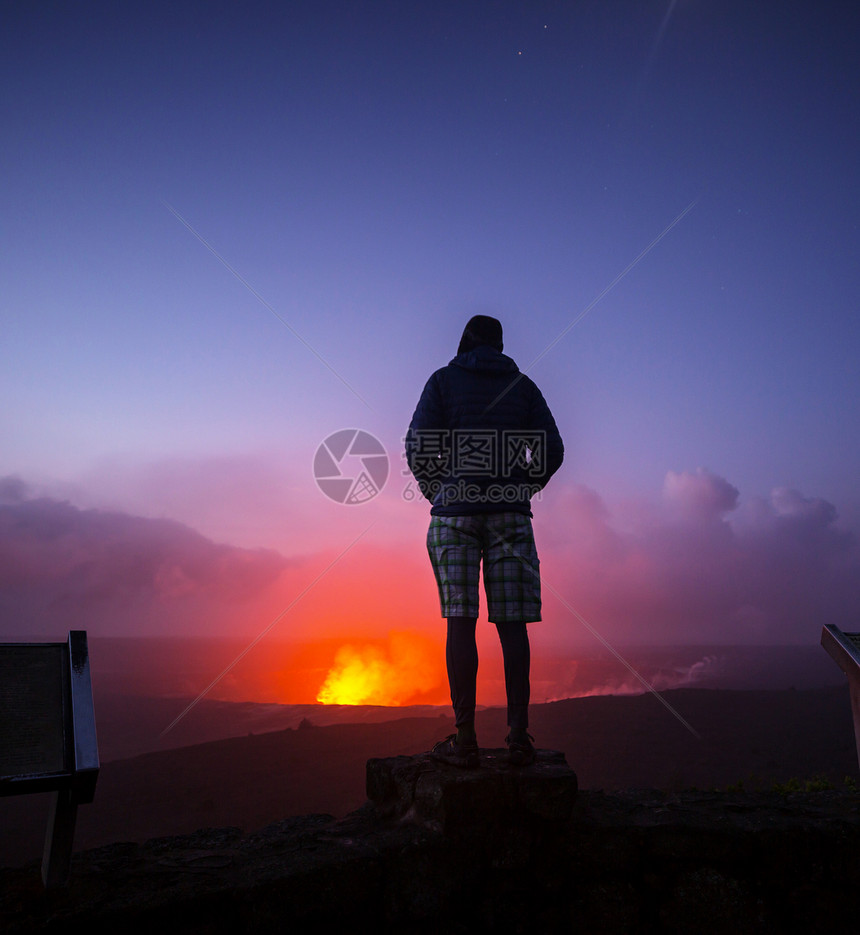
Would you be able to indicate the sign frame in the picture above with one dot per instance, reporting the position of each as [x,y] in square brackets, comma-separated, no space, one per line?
[844,647]
[64,758]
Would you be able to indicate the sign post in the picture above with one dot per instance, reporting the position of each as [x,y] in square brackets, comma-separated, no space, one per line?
[48,736]
[845,649]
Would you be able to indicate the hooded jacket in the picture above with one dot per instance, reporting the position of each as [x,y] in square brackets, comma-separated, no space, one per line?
[482,438]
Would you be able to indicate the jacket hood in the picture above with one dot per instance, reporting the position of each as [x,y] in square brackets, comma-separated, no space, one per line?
[485,357]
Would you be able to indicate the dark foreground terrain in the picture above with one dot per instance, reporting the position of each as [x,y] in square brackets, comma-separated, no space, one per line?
[749,738]
[489,850]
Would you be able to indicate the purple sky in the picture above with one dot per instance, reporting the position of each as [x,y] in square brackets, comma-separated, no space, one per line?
[231,230]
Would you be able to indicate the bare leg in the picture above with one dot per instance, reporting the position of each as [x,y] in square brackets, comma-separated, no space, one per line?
[461,657]
[514,637]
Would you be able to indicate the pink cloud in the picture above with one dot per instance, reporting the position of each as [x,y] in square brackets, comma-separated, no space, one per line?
[701,566]
[700,495]
[62,567]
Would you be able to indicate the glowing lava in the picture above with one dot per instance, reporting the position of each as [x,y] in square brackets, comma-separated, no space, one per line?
[397,673]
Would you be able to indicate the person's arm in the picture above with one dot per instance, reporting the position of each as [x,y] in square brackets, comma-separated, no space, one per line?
[542,420]
[426,439]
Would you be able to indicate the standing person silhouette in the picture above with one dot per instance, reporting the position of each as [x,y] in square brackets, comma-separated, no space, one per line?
[481,443]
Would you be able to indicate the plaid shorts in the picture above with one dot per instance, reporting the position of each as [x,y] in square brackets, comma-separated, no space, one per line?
[505,543]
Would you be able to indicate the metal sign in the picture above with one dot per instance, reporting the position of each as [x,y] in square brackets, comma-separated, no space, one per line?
[845,650]
[48,736]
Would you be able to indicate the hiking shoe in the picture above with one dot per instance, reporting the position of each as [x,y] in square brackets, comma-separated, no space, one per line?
[464,755]
[520,749]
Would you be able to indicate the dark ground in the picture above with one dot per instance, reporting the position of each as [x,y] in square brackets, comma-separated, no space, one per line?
[756,738]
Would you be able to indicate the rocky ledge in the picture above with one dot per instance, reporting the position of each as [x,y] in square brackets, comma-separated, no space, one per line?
[495,801]
[487,850]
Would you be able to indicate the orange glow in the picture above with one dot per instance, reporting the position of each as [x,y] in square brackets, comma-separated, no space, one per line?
[407,669]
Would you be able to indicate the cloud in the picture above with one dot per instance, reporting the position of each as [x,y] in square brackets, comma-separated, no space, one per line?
[698,565]
[700,495]
[63,567]
[253,500]
[113,573]
[243,499]
[701,565]
[12,490]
